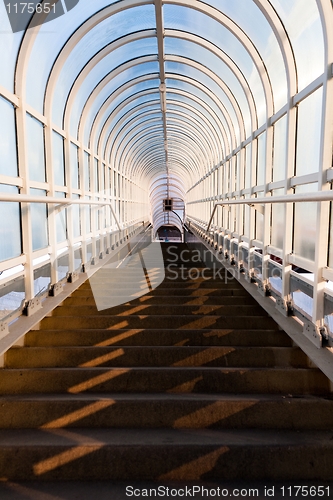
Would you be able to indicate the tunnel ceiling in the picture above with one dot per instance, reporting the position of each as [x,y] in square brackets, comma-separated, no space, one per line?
[164,91]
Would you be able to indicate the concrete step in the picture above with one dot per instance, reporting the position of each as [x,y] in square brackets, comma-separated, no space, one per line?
[177,380]
[164,454]
[163,321]
[149,299]
[187,284]
[161,310]
[154,356]
[156,337]
[175,291]
[179,411]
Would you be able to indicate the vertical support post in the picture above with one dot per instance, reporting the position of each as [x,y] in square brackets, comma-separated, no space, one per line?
[22,150]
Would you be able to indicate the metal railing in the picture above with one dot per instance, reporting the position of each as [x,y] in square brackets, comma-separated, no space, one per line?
[302,293]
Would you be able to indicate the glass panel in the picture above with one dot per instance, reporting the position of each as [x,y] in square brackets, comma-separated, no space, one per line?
[10,43]
[78,259]
[259,222]
[8,157]
[112,28]
[61,221]
[189,89]
[309,134]
[305,224]
[278,221]
[39,222]
[47,46]
[96,177]
[36,151]
[208,82]
[152,98]
[74,159]
[62,266]
[303,25]
[182,18]
[280,149]
[12,296]
[152,84]
[248,16]
[147,46]
[76,217]
[42,279]
[86,167]
[261,159]
[87,209]
[10,226]
[58,159]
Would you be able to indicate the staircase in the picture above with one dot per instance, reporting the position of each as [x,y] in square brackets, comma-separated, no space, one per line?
[192,381]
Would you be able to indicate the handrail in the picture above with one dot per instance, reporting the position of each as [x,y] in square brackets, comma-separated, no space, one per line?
[23,198]
[291,198]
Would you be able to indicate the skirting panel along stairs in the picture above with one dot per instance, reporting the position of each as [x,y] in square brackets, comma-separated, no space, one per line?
[193,381]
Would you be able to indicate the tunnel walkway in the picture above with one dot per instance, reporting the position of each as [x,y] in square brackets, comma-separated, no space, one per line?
[193,381]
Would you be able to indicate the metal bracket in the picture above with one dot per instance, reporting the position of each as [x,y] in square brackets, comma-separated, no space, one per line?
[55,290]
[3,329]
[32,307]
[312,332]
[325,335]
[264,289]
[72,277]
[285,307]
[85,267]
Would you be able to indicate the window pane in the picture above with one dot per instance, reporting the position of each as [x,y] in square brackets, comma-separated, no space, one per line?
[305,224]
[280,149]
[61,221]
[261,159]
[39,222]
[184,19]
[76,216]
[86,167]
[248,16]
[147,46]
[112,28]
[58,159]
[8,157]
[302,21]
[278,223]
[11,43]
[10,226]
[36,152]
[74,151]
[309,134]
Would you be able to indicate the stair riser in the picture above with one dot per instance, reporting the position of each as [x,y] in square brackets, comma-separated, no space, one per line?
[155,356]
[174,291]
[159,310]
[160,462]
[287,414]
[150,380]
[153,337]
[170,322]
[165,285]
[168,300]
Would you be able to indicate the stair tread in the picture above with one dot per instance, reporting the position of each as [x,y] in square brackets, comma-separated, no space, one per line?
[60,438]
[173,397]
